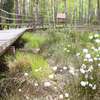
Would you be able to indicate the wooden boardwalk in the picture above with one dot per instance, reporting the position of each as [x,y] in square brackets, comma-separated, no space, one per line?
[8,37]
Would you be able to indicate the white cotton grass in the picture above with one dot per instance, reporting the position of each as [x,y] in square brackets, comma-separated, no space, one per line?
[19,90]
[47,84]
[69,45]
[84,83]
[78,54]
[55,88]
[96,35]
[95,58]
[66,95]
[97,40]
[85,59]
[90,69]
[68,51]
[65,49]
[93,48]
[39,69]
[98,48]
[90,60]
[87,84]
[99,65]
[54,68]
[91,78]
[85,50]
[94,87]
[99,58]
[51,76]
[90,85]
[91,37]
[61,96]
[82,71]
[72,70]
[61,70]
[84,66]
[36,70]
[86,76]
[36,84]
[64,68]
[27,97]
[88,56]
[25,74]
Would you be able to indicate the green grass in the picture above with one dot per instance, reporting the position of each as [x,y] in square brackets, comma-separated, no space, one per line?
[40,67]
[18,63]
[33,40]
[35,65]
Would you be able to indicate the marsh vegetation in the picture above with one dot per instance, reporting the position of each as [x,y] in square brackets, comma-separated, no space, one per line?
[66,66]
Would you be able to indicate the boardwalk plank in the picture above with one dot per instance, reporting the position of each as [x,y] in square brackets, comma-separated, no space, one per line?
[8,37]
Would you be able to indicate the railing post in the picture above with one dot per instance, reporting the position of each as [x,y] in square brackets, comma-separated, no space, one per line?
[0,22]
[1,15]
[8,21]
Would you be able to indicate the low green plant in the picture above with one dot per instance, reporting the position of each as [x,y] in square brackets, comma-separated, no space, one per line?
[33,40]
[40,67]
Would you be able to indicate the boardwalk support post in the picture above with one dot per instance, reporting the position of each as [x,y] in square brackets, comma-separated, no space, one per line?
[11,50]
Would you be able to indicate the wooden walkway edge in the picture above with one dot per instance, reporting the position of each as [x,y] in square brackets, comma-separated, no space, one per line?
[8,37]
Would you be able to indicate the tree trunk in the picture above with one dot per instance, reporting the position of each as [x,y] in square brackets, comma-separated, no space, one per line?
[80,5]
[24,12]
[54,12]
[1,15]
[36,12]
[17,10]
[65,4]
[89,11]
[98,10]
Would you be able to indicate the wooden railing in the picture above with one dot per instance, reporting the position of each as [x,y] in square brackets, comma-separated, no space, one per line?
[13,20]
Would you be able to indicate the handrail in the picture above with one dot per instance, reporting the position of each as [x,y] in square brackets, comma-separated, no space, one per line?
[14,18]
[14,14]
[13,24]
